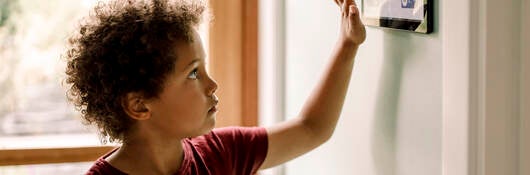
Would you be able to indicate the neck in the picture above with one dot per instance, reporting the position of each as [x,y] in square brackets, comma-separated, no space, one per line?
[158,156]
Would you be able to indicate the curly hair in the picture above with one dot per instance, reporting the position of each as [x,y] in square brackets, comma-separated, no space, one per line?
[123,47]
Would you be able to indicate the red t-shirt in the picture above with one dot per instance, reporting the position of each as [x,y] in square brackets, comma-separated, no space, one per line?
[224,151]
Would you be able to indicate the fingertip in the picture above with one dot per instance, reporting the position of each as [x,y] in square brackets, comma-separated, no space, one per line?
[353,10]
[345,7]
[354,3]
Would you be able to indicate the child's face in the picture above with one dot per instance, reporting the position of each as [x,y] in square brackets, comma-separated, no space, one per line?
[185,107]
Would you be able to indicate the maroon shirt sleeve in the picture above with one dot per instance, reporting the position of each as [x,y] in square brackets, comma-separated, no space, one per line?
[102,167]
[246,147]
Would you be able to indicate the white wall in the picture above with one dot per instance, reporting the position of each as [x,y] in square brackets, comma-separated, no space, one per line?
[391,121]
[445,103]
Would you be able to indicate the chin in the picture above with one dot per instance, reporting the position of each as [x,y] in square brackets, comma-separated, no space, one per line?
[208,126]
[211,125]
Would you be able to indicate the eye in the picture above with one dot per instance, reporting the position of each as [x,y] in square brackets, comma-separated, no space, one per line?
[193,74]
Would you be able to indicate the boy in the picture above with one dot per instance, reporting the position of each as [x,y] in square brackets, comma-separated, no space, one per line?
[137,72]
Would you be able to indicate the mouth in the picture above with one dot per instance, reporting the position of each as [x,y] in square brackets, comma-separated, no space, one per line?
[213,109]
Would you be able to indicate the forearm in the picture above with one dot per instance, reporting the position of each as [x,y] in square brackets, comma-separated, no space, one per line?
[322,110]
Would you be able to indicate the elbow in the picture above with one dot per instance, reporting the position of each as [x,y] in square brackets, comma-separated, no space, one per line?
[323,137]
[319,133]
[326,135]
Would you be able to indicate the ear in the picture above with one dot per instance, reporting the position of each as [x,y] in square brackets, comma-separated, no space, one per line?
[134,105]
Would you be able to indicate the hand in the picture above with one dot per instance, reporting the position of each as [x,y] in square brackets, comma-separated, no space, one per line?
[352,29]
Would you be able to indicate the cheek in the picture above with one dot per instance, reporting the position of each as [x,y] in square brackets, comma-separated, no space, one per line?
[192,103]
[192,114]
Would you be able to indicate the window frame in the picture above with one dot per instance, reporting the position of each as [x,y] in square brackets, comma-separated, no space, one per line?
[233,43]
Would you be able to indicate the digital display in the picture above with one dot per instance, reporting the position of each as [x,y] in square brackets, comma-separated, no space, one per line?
[399,14]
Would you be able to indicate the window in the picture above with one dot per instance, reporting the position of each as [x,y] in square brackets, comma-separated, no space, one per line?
[33,36]
[41,132]
[37,124]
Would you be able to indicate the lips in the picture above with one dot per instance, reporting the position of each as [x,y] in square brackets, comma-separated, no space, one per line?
[214,103]
[213,109]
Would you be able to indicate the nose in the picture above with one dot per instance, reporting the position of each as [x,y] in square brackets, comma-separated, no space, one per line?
[212,86]
[215,99]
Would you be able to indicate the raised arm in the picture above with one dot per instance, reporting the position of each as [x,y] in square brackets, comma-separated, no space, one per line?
[320,113]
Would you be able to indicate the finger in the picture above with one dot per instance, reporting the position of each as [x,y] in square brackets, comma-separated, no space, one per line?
[353,10]
[352,14]
[345,7]
[354,3]
[338,2]
[355,15]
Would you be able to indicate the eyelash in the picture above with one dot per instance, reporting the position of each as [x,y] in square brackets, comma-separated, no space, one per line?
[194,73]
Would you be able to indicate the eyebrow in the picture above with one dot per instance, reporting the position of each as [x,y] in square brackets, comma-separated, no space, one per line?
[192,62]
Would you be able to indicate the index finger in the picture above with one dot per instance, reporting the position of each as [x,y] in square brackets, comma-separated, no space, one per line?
[354,3]
[338,2]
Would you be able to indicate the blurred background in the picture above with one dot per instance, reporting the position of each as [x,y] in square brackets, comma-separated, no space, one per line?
[33,35]
[34,112]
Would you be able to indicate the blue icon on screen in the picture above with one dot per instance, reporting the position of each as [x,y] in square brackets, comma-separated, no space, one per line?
[407,3]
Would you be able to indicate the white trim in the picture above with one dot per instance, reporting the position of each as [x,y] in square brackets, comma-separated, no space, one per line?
[524,136]
[51,141]
[271,61]
[500,52]
[482,84]
[460,86]
[271,67]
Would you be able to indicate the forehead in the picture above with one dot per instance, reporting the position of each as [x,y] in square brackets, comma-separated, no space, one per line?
[186,52]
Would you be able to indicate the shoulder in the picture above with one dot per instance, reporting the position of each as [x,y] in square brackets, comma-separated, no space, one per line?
[240,149]
[101,166]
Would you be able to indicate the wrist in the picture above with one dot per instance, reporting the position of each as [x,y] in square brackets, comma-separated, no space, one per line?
[346,50]
[347,44]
